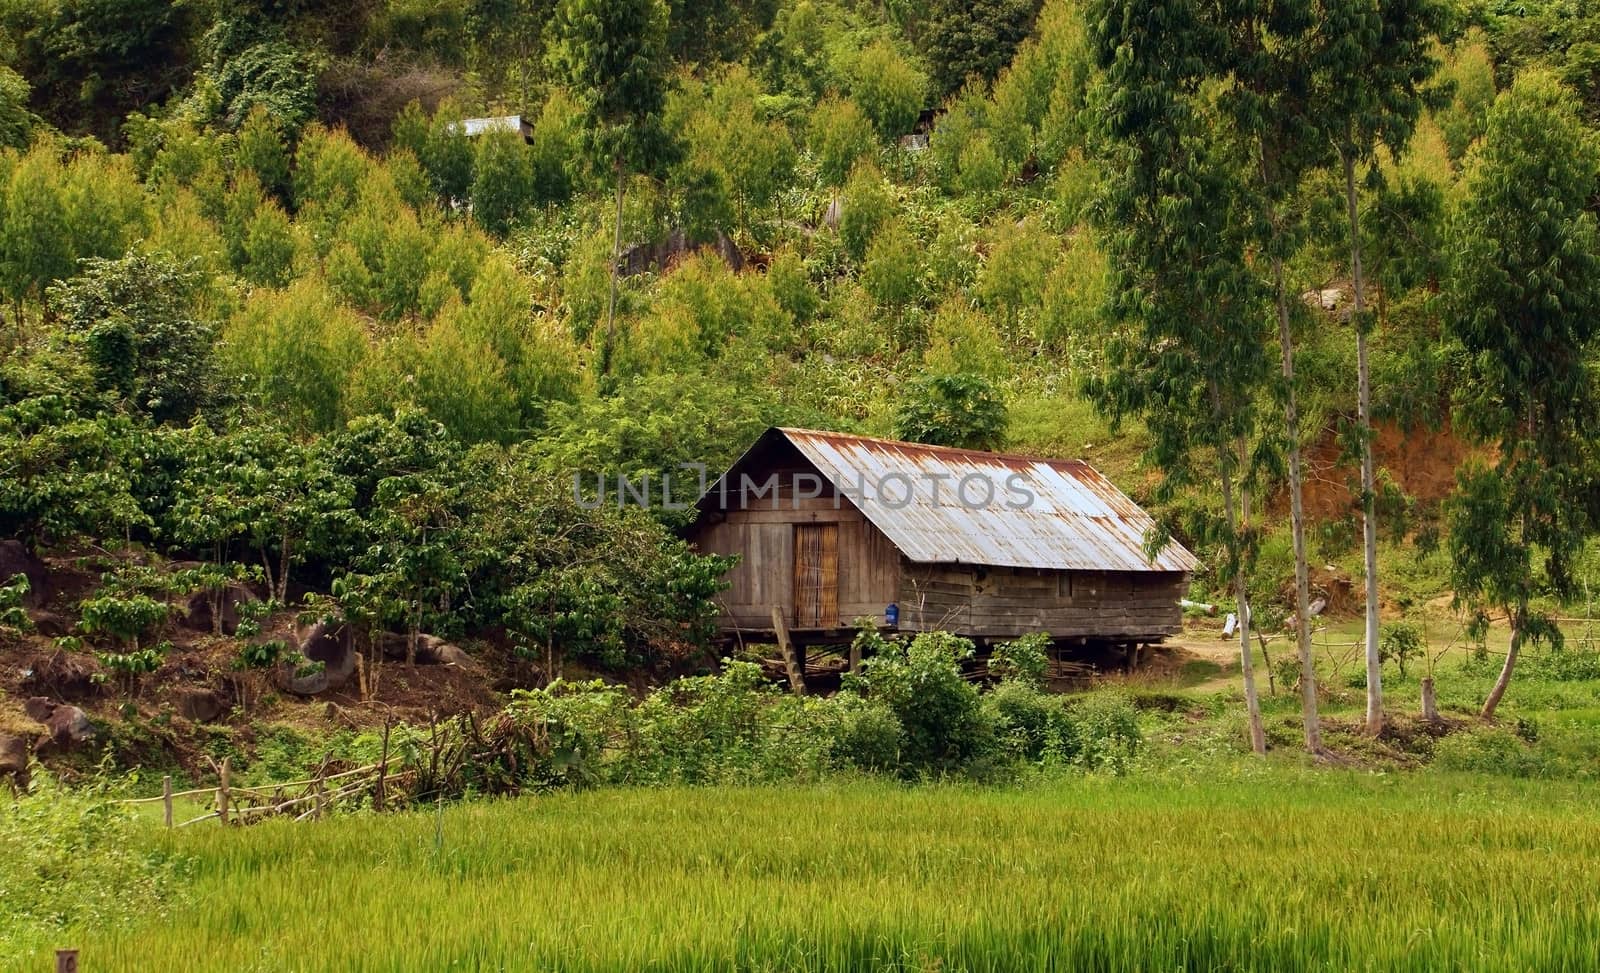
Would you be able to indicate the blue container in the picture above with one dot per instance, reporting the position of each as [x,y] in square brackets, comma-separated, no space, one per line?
[891,615]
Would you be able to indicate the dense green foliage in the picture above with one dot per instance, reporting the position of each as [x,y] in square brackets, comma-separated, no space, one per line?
[270,300]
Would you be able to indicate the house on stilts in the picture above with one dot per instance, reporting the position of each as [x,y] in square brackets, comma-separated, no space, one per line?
[833,528]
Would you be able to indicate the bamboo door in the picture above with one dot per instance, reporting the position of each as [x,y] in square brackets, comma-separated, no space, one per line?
[816,575]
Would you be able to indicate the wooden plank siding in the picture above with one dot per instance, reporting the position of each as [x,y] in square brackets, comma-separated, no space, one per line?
[1008,602]
[865,564]
[844,567]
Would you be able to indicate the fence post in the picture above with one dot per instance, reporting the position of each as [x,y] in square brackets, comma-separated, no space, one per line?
[383,770]
[166,799]
[321,795]
[222,793]
[66,961]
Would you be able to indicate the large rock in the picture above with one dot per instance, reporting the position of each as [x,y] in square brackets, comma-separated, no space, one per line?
[676,245]
[48,623]
[325,659]
[201,705]
[298,677]
[14,758]
[39,708]
[60,675]
[15,559]
[333,645]
[431,650]
[197,611]
[68,726]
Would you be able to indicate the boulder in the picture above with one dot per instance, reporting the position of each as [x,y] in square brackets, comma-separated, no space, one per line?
[676,245]
[454,655]
[333,645]
[39,708]
[68,726]
[431,650]
[14,757]
[197,611]
[15,559]
[60,675]
[48,623]
[296,677]
[200,705]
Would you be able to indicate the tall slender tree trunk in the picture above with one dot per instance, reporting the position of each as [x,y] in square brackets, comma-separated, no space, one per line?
[1241,590]
[1297,520]
[1241,594]
[616,257]
[281,589]
[1369,500]
[1518,625]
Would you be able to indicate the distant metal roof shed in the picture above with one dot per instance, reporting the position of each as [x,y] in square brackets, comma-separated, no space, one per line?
[473,127]
[1076,520]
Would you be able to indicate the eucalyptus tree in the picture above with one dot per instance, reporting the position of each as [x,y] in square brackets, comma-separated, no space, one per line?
[613,54]
[1269,102]
[1187,350]
[1376,58]
[1525,297]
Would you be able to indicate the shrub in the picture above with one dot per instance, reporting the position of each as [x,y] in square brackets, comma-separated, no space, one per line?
[1030,723]
[921,682]
[868,205]
[889,88]
[13,616]
[868,735]
[1107,727]
[961,410]
[1488,750]
[1024,660]
[1400,643]
[71,859]
[838,135]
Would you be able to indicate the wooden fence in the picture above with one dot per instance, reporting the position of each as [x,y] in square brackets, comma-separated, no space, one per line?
[310,797]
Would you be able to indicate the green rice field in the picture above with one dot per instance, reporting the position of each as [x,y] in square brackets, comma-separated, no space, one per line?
[1270,869]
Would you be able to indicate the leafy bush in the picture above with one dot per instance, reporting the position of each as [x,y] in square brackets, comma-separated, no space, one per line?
[1107,727]
[733,727]
[889,88]
[1400,643]
[1030,723]
[962,410]
[1567,664]
[71,859]
[1024,660]
[868,206]
[135,323]
[921,682]
[123,617]
[1489,750]
[13,615]
[868,736]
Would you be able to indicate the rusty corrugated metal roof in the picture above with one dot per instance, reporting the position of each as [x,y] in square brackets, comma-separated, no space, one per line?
[1040,513]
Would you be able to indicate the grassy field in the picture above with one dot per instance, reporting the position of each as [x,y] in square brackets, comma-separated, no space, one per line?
[1253,868]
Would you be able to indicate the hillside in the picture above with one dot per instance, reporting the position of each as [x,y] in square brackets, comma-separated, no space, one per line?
[283,330]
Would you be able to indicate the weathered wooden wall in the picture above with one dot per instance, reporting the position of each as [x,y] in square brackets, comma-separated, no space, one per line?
[869,566]
[971,600]
[1008,602]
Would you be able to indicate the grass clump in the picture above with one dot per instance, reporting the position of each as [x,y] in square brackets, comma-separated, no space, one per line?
[71,859]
